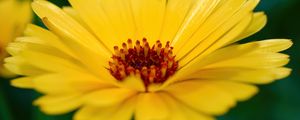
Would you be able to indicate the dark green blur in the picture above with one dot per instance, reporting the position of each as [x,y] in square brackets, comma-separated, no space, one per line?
[277,101]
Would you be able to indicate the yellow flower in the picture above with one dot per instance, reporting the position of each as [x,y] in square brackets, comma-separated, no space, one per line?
[111,59]
[14,16]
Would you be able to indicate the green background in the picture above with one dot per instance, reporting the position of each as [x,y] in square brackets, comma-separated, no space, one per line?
[277,101]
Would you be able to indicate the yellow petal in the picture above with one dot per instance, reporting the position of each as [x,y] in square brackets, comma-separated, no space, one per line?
[199,52]
[133,82]
[151,106]
[5,73]
[203,97]
[274,45]
[19,66]
[197,16]
[98,59]
[54,14]
[14,15]
[149,16]
[121,17]
[256,76]
[74,14]
[219,55]
[22,44]
[23,82]
[240,91]
[209,34]
[7,10]
[176,112]
[212,19]
[260,54]
[24,17]
[180,111]
[68,83]
[59,104]
[258,22]
[255,61]
[108,96]
[71,12]
[175,14]
[93,14]
[123,111]
[45,37]
[195,115]
[49,62]
[282,73]
[252,56]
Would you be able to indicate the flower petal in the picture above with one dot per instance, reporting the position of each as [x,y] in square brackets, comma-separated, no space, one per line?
[255,58]
[68,83]
[216,43]
[134,83]
[98,59]
[74,14]
[210,38]
[197,16]
[44,37]
[19,66]
[120,15]
[45,9]
[180,111]
[24,16]
[14,17]
[107,26]
[149,16]
[122,111]
[23,82]
[240,91]
[8,9]
[203,97]
[151,106]
[96,55]
[255,61]
[215,20]
[253,50]
[22,44]
[49,62]
[258,22]
[255,76]
[59,104]
[230,51]
[108,96]
[274,45]
[175,14]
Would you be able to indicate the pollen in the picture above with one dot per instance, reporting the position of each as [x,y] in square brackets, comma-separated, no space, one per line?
[153,64]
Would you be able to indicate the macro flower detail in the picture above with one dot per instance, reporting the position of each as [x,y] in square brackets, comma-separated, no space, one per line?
[145,59]
[14,16]
[152,64]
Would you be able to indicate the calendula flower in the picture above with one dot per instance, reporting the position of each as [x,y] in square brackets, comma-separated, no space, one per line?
[14,16]
[146,59]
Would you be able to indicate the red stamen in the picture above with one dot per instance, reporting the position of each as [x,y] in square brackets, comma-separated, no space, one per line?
[138,73]
[125,48]
[122,54]
[152,64]
[116,49]
[129,41]
[164,68]
[138,46]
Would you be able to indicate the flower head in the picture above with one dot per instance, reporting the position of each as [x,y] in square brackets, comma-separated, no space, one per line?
[147,59]
[14,16]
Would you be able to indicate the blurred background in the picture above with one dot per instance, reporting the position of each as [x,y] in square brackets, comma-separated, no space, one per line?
[277,101]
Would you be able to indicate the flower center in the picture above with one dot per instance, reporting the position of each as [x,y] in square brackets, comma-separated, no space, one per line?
[152,64]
